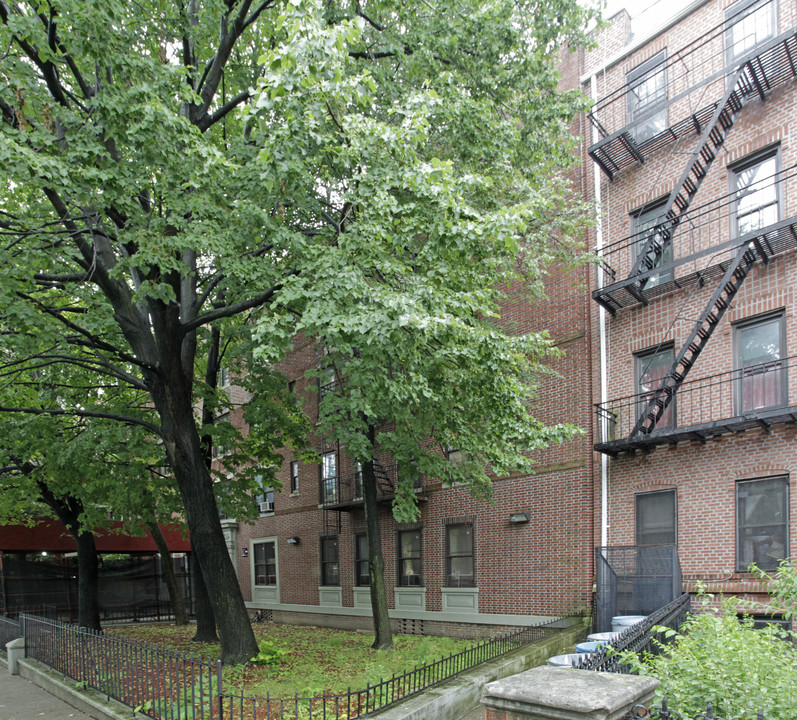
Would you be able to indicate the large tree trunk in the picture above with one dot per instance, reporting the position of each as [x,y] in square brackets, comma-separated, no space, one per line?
[205,623]
[167,566]
[68,510]
[383,635]
[181,439]
[88,580]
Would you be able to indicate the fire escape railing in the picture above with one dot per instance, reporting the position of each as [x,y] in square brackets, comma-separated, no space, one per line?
[695,76]
[347,490]
[755,396]
[700,249]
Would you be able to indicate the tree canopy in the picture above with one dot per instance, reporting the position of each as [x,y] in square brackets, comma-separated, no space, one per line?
[179,173]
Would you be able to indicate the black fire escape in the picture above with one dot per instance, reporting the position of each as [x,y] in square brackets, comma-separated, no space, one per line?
[682,248]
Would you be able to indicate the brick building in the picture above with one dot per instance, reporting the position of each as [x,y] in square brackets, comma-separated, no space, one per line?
[691,151]
[678,362]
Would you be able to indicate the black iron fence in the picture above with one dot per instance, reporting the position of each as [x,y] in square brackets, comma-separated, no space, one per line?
[9,630]
[663,712]
[165,684]
[637,638]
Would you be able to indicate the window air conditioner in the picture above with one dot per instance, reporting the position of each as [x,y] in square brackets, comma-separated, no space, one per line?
[267,506]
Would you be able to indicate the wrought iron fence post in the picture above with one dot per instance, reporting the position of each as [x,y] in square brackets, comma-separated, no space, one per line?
[219,689]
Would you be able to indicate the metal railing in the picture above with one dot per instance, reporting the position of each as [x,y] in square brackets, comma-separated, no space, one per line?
[706,236]
[694,76]
[165,684]
[9,630]
[755,392]
[348,488]
[637,638]
[663,712]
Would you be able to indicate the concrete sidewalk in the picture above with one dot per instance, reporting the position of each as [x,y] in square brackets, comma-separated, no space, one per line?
[20,699]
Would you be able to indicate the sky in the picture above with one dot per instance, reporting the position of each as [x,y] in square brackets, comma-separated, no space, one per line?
[646,14]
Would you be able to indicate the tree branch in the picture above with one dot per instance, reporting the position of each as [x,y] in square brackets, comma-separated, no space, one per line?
[208,120]
[58,412]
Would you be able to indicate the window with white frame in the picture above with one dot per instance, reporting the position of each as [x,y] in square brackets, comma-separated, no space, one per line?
[264,499]
[330,562]
[358,480]
[219,448]
[650,368]
[762,522]
[460,555]
[646,101]
[362,573]
[748,23]
[329,478]
[294,477]
[760,366]
[656,515]
[642,223]
[756,202]
[265,562]
[409,558]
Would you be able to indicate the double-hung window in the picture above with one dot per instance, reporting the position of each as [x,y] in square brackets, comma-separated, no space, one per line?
[756,202]
[362,574]
[650,368]
[747,24]
[656,518]
[294,477]
[330,563]
[329,478]
[643,222]
[760,368]
[459,555]
[409,560]
[265,563]
[358,480]
[646,101]
[762,522]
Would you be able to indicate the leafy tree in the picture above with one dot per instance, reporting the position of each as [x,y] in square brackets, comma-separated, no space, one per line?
[433,177]
[717,656]
[143,210]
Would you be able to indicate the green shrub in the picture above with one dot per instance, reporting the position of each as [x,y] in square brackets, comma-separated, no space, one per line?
[719,659]
[269,653]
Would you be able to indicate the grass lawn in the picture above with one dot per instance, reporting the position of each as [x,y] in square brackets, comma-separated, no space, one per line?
[317,659]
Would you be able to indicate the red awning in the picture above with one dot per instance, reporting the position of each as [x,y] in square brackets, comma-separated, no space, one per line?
[51,536]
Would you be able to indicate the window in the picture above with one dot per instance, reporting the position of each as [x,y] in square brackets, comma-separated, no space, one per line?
[265,499]
[294,477]
[409,545]
[292,386]
[762,522]
[655,518]
[650,368]
[759,363]
[329,478]
[643,221]
[459,556]
[363,576]
[330,566]
[224,377]
[358,480]
[756,202]
[265,563]
[218,447]
[646,102]
[748,23]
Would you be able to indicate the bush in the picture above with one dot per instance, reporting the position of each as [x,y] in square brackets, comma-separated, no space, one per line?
[719,659]
[269,653]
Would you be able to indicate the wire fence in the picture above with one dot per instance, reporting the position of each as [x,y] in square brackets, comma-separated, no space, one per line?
[162,683]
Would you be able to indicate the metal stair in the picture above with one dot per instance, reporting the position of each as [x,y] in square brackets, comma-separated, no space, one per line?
[738,269]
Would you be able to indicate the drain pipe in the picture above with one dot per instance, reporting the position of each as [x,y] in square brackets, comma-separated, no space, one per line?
[602,422]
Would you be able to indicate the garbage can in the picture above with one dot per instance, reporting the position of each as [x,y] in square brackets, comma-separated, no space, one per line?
[623,622]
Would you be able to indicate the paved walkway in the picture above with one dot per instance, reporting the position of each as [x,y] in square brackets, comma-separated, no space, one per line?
[22,700]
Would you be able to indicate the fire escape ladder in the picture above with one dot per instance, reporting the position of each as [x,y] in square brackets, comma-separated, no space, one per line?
[680,198]
[720,301]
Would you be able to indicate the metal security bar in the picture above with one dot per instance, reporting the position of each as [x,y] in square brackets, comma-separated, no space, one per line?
[754,396]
